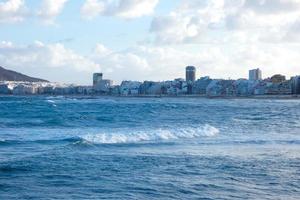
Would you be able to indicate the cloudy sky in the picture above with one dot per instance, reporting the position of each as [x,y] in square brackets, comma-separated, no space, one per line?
[67,40]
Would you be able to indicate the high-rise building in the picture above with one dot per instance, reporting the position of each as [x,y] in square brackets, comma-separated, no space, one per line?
[190,74]
[255,74]
[296,85]
[103,85]
[100,84]
[97,77]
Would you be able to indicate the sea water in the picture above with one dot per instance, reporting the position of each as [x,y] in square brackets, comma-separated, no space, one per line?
[149,148]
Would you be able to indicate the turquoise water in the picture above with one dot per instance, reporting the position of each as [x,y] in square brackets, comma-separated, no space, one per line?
[149,148]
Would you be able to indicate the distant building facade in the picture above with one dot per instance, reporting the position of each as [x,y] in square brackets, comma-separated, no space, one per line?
[190,74]
[255,74]
[278,78]
[279,88]
[101,85]
[4,89]
[190,77]
[205,86]
[130,88]
[296,85]
[24,89]
[97,77]
[200,85]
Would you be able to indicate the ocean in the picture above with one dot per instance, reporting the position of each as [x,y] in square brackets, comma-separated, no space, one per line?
[148,148]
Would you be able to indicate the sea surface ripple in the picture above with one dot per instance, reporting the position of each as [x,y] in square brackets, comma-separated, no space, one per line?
[148,148]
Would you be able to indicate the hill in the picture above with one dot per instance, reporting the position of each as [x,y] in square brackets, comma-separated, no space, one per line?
[9,75]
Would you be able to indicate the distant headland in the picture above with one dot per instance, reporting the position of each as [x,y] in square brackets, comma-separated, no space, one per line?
[9,75]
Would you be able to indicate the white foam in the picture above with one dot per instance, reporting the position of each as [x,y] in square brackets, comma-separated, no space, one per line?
[152,135]
[50,101]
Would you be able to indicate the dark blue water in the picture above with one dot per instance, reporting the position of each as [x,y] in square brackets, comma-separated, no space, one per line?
[152,148]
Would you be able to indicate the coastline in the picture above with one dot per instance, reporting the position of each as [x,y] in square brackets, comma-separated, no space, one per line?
[271,97]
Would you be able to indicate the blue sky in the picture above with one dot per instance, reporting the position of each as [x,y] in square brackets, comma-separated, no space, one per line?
[70,27]
[68,40]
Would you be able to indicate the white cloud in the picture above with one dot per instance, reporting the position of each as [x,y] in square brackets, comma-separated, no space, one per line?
[166,63]
[225,38]
[12,11]
[92,8]
[275,59]
[101,50]
[120,8]
[50,9]
[6,44]
[218,20]
[58,63]
[50,61]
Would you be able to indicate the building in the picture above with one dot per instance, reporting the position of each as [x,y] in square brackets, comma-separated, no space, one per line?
[296,85]
[24,89]
[84,90]
[151,88]
[49,90]
[243,87]
[278,78]
[281,88]
[190,77]
[200,85]
[190,74]
[255,74]
[97,77]
[4,89]
[101,85]
[130,88]
[174,88]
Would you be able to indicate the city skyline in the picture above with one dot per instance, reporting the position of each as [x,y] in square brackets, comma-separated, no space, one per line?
[255,85]
[66,41]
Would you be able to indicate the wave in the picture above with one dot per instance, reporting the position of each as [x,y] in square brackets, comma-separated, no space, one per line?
[50,101]
[4,142]
[154,135]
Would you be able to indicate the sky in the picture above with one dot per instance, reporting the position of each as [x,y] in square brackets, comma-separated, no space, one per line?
[68,40]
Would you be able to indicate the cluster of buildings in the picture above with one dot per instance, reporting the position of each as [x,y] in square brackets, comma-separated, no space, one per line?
[204,86]
[43,88]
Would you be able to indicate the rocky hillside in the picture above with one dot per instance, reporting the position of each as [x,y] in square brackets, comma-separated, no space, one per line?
[9,75]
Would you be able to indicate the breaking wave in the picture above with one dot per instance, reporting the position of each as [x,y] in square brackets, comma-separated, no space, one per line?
[154,135]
